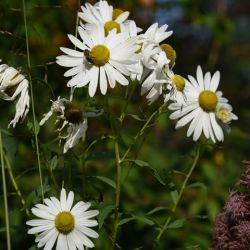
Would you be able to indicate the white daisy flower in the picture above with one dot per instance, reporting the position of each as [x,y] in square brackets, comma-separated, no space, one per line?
[176,88]
[13,86]
[61,224]
[105,14]
[102,60]
[72,118]
[205,107]
[155,34]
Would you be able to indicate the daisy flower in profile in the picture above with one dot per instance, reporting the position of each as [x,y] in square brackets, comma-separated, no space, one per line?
[14,87]
[71,117]
[61,224]
[105,14]
[176,88]
[205,108]
[102,60]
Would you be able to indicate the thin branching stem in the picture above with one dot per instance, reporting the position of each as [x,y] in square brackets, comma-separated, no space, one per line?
[184,184]
[7,224]
[141,132]
[32,99]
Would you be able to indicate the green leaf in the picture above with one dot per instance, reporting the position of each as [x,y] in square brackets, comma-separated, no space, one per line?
[106,180]
[174,196]
[198,185]
[53,162]
[104,212]
[141,163]
[136,117]
[126,220]
[157,209]
[144,220]
[138,218]
[30,126]
[177,224]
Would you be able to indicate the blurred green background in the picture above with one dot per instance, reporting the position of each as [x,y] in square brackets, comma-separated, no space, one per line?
[213,34]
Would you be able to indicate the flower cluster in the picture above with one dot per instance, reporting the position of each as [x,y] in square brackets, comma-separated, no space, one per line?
[59,221]
[14,87]
[112,49]
[232,226]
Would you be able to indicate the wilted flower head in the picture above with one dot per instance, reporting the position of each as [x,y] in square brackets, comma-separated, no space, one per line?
[14,87]
[70,117]
[60,222]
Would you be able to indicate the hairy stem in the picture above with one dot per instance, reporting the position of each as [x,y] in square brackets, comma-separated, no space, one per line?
[5,196]
[32,99]
[184,184]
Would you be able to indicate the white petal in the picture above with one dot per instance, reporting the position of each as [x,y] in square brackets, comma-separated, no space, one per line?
[103,81]
[216,128]
[93,81]
[195,121]
[77,42]
[63,199]
[215,81]
[70,200]
[200,77]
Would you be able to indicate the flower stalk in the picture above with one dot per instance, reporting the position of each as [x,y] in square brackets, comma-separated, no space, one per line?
[7,224]
[32,99]
[184,184]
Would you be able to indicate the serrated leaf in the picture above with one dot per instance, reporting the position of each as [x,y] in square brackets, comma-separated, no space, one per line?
[174,196]
[176,224]
[106,180]
[104,212]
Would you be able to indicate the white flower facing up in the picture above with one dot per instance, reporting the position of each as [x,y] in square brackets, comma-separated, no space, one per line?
[61,224]
[13,86]
[102,60]
[205,108]
[72,118]
[105,14]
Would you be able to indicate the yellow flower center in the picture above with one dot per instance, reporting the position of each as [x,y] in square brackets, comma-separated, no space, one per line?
[208,100]
[72,113]
[179,82]
[64,222]
[116,13]
[223,115]
[108,26]
[99,55]
[170,53]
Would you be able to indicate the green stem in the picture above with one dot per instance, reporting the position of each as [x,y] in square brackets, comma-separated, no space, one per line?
[32,99]
[184,184]
[141,132]
[14,183]
[5,196]
[117,194]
